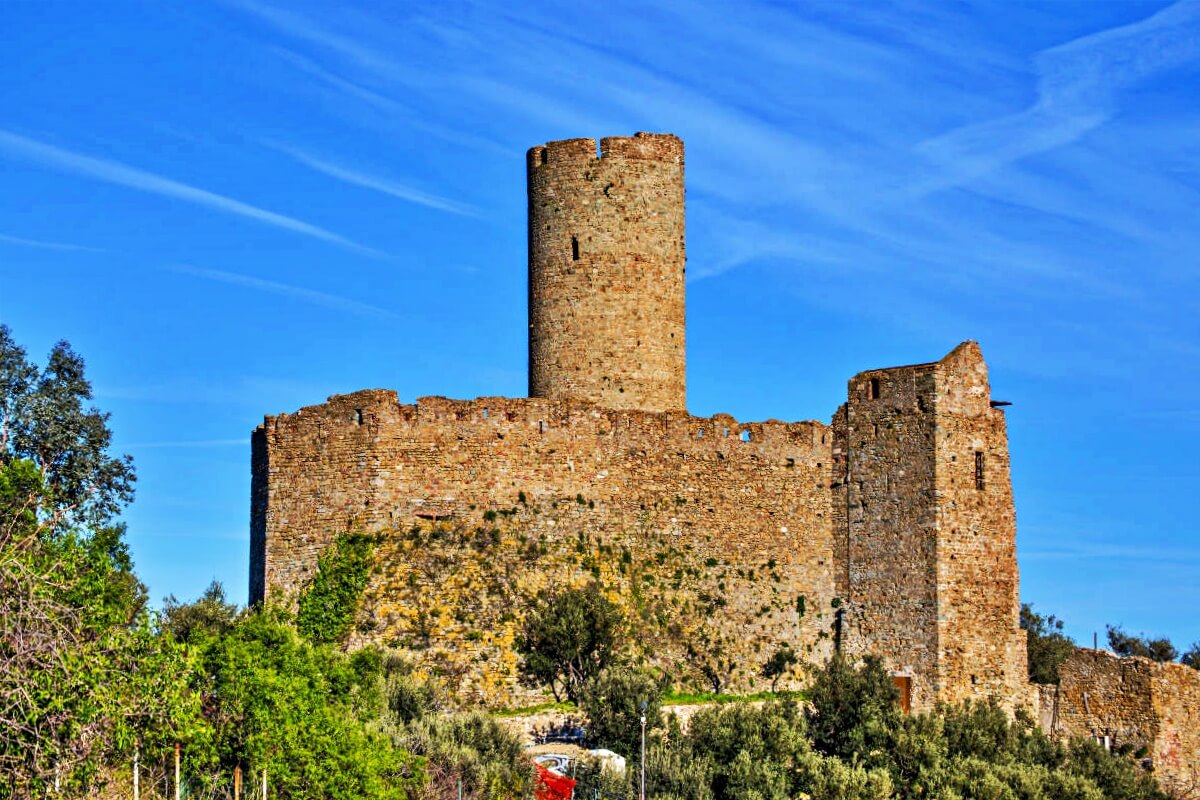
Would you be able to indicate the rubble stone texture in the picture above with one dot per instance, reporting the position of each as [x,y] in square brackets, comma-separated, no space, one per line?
[890,530]
[606,272]
[1152,708]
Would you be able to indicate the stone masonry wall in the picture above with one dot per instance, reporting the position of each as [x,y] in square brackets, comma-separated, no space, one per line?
[606,272]
[931,538]
[889,487]
[741,494]
[1153,708]
[981,647]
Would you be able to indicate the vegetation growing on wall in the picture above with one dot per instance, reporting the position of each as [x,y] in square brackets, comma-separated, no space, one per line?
[328,605]
[455,594]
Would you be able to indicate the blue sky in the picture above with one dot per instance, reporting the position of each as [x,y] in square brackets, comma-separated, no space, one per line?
[237,208]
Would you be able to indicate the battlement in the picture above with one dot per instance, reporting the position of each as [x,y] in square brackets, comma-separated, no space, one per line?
[606,272]
[665,147]
[373,412]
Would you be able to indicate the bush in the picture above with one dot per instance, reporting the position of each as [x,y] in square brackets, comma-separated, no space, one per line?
[852,709]
[613,702]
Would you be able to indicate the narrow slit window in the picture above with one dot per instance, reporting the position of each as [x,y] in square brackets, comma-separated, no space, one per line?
[979,476]
[358,416]
[874,388]
[574,248]
[700,433]
[541,426]
[485,413]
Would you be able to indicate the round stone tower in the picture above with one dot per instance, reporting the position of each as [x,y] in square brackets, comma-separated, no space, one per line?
[606,272]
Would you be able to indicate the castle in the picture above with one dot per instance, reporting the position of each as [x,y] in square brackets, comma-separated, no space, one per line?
[888,530]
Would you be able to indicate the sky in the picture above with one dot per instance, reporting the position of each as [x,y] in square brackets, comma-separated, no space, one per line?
[236,208]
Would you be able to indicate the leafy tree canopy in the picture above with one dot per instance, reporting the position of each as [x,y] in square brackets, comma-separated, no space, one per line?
[569,638]
[44,419]
[1047,646]
[1126,644]
[615,701]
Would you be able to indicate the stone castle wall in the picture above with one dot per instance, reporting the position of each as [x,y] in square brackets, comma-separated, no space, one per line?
[742,495]
[1131,702]
[881,509]
[606,272]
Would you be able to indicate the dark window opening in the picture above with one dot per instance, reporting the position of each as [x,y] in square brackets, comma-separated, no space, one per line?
[358,416]
[541,426]
[545,155]
[791,462]
[979,477]
[874,388]
[574,248]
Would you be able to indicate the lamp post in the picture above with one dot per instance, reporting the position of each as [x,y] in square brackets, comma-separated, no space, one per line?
[642,793]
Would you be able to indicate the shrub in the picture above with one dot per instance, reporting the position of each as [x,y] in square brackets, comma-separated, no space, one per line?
[614,703]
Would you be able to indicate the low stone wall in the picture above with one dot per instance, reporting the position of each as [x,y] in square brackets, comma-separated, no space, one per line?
[1151,707]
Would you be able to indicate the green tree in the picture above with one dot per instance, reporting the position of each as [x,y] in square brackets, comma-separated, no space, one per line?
[570,637]
[778,665]
[300,710]
[852,709]
[1047,646]
[1192,656]
[44,419]
[615,701]
[208,616]
[82,674]
[1125,644]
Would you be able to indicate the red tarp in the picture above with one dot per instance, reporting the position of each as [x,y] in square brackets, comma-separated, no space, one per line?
[552,786]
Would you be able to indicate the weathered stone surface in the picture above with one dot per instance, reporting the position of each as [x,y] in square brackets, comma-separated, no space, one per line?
[1150,707]
[606,272]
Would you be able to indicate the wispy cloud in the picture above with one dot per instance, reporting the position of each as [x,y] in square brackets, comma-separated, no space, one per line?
[384,185]
[122,175]
[307,295]
[1078,84]
[48,245]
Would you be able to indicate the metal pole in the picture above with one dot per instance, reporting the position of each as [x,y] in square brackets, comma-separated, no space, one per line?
[642,793]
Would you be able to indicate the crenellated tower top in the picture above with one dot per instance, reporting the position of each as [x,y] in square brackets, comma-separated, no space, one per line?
[606,272]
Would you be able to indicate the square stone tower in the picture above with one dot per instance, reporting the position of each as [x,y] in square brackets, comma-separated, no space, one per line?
[929,555]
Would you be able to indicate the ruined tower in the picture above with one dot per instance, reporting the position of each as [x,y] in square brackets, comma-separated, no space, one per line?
[606,272]
[929,554]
